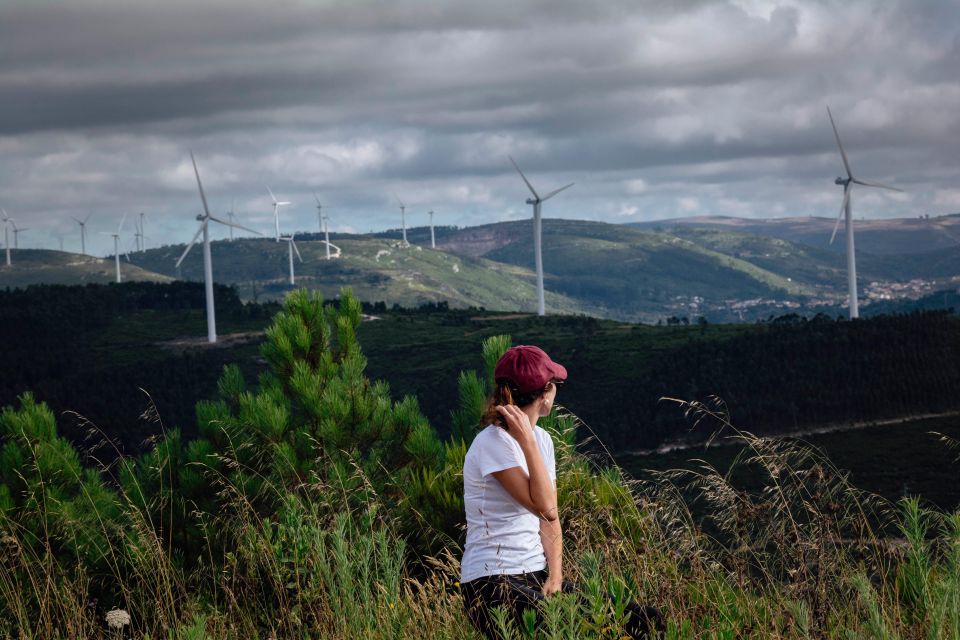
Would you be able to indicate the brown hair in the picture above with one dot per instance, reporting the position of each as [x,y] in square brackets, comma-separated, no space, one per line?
[503,394]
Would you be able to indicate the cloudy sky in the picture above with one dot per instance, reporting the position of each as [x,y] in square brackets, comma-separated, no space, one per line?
[655,109]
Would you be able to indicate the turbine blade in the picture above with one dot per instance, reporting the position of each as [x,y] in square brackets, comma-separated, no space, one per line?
[123,219]
[295,250]
[555,192]
[877,184]
[237,226]
[203,196]
[280,204]
[843,206]
[77,219]
[87,219]
[843,154]
[272,197]
[316,197]
[529,186]
[192,242]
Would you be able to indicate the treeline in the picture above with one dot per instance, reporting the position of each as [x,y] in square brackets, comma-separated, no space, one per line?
[771,377]
[89,349]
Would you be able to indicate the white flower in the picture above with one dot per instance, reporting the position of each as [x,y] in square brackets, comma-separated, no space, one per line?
[117,618]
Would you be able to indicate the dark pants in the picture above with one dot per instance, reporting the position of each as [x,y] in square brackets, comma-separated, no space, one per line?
[525,591]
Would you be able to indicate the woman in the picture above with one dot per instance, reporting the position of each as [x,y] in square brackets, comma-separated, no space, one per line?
[514,551]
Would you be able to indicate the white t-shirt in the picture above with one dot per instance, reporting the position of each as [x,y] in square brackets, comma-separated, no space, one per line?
[503,537]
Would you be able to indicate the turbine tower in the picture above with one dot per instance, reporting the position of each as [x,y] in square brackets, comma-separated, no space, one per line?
[116,244]
[433,240]
[403,220]
[16,233]
[6,233]
[291,247]
[323,223]
[143,235]
[845,214]
[536,201]
[207,264]
[83,233]
[137,235]
[276,212]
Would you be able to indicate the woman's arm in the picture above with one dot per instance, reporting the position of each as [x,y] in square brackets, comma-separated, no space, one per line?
[536,491]
[552,537]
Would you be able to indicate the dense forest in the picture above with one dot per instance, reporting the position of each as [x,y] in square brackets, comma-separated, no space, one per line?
[91,349]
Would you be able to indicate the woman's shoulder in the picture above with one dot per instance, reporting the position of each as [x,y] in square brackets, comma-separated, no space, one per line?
[491,435]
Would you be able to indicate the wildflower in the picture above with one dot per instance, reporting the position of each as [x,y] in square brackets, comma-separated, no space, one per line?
[117,618]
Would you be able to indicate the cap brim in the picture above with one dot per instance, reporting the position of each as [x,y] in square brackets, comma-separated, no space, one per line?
[558,370]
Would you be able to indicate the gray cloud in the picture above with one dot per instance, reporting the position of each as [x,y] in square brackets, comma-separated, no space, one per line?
[654,109]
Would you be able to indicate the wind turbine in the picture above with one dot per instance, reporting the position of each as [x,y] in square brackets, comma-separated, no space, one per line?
[845,213]
[536,201]
[403,220]
[137,235]
[276,212]
[323,225]
[142,247]
[83,233]
[6,233]
[291,247]
[207,264]
[433,240]
[116,244]
[16,233]
[230,215]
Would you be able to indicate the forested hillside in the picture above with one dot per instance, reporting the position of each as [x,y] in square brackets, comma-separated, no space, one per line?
[91,349]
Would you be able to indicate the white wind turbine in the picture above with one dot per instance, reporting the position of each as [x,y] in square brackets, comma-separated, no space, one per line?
[433,240]
[230,216]
[142,244]
[403,220]
[845,213]
[322,219]
[116,244]
[291,247]
[276,212]
[326,230]
[6,233]
[83,233]
[16,233]
[207,264]
[536,201]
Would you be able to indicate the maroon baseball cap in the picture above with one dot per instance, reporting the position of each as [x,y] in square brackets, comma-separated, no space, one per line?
[527,368]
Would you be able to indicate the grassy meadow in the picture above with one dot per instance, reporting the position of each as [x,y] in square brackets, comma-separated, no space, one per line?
[314,503]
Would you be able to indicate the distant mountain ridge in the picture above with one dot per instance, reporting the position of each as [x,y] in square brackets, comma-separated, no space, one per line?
[624,272]
[891,236]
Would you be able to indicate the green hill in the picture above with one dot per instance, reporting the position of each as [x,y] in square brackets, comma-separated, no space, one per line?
[42,266]
[378,269]
[881,237]
[623,272]
[629,273]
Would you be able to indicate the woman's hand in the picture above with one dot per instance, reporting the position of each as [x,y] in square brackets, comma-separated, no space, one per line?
[552,585]
[518,423]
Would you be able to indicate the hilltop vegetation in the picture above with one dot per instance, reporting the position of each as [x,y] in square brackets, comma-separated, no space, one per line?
[42,266]
[315,504]
[898,236]
[376,269]
[620,272]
